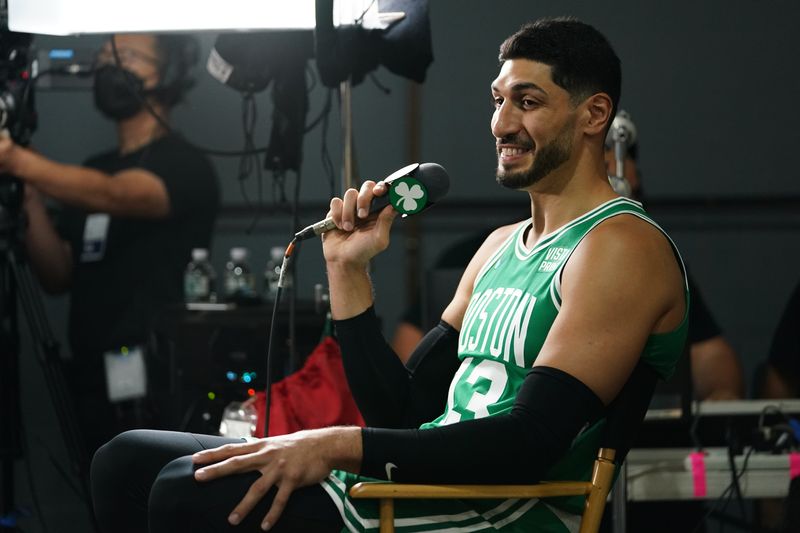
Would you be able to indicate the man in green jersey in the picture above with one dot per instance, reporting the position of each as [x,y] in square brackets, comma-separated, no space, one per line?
[552,317]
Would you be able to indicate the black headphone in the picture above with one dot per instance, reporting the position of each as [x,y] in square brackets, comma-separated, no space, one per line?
[179,53]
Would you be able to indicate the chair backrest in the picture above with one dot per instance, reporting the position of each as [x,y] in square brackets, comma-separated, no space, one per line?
[624,416]
[601,483]
[677,392]
[626,412]
[596,492]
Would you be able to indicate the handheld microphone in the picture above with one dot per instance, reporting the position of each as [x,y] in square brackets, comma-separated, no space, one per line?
[412,189]
[621,135]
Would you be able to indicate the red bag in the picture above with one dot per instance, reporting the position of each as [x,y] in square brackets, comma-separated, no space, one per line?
[315,396]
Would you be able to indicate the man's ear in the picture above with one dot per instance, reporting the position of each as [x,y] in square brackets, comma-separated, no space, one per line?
[598,109]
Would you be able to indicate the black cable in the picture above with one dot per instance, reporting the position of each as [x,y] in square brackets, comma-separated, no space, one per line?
[380,86]
[313,83]
[724,494]
[278,189]
[693,435]
[271,341]
[774,409]
[250,150]
[737,489]
[270,345]
[326,109]
[259,200]
[31,480]
[735,486]
[360,18]
[250,160]
[164,124]
[61,470]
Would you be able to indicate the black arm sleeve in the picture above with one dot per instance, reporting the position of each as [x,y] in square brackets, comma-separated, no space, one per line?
[552,407]
[432,364]
[387,393]
[377,378]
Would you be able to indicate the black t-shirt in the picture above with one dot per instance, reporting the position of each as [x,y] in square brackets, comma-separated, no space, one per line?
[784,354]
[702,325]
[120,281]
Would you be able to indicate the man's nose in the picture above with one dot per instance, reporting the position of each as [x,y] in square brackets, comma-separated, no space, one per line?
[505,120]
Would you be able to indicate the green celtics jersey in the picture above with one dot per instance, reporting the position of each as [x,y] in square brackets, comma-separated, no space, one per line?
[515,300]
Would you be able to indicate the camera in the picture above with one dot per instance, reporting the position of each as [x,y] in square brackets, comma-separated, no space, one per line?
[17,71]
[17,113]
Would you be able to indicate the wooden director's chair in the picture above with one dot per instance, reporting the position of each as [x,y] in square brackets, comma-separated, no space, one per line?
[624,416]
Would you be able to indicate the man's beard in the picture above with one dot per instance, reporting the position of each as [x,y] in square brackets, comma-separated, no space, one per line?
[546,159]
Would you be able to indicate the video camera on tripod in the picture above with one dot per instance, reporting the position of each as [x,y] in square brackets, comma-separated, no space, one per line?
[17,114]
[17,72]
[18,120]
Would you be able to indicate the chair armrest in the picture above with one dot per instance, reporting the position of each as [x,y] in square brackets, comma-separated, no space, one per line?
[404,491]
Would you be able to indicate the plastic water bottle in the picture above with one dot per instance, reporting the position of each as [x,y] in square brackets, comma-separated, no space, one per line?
[199,279]
[272,273]
[239,281]
[238,420]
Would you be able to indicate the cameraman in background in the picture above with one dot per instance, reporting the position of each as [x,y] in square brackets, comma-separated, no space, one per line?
[130,217]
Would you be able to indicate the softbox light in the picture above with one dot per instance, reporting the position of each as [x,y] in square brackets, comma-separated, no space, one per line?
[351,52]
[248,62]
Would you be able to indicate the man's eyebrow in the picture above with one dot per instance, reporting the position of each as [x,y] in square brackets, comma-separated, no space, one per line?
[522,86]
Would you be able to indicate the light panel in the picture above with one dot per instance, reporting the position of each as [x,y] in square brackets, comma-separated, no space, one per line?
[70,17]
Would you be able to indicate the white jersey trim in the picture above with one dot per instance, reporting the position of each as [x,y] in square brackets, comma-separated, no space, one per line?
[336,489]
[499,509]
[570,520]
[523,252]
[513,517]
[340,500]
[498,253]
[555,285]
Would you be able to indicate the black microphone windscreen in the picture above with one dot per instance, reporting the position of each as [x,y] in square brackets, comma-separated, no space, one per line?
[435,179]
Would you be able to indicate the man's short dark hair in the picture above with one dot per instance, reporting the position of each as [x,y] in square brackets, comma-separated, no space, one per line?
[581,58]
[178,54]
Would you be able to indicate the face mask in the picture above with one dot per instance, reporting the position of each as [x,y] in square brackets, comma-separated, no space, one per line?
[117,92]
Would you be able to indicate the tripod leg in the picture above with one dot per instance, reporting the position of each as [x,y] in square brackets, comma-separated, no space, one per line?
[47,351]
[10,439]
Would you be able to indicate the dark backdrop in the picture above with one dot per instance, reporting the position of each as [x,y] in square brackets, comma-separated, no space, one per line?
[712,87]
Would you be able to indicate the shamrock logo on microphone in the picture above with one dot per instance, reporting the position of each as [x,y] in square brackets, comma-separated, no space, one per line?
[408,195]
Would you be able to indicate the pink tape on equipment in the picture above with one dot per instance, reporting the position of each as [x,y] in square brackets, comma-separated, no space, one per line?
[698,461]
[794,465]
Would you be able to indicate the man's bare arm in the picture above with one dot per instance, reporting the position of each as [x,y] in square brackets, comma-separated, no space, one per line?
[621,284]
[716,371]
[50,256]
[363,236]
[132,192]
[778,385]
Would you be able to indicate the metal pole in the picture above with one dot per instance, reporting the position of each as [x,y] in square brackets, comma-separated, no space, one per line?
[346,109]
